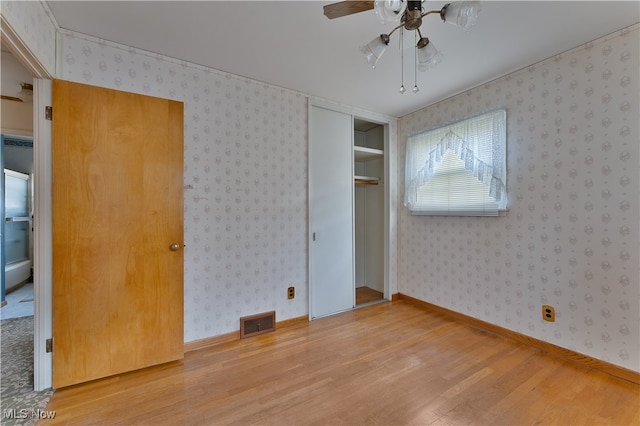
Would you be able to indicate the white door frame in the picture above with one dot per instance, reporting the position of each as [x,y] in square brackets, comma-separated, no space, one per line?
[42,244]
[42,269]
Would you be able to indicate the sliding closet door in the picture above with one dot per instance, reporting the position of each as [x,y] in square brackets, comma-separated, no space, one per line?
[331,273]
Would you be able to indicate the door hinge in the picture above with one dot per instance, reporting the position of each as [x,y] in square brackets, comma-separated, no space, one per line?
[49,345]
[48,113]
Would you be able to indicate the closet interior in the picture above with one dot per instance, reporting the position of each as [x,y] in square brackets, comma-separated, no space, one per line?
[369,176]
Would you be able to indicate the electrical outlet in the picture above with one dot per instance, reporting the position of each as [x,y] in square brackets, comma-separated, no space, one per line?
[548,313]
[291,292]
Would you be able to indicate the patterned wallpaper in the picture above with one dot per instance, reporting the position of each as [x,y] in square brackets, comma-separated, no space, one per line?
[34,24]
[246,161]
[570,238]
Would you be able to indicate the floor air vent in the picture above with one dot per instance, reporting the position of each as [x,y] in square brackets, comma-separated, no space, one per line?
[257,324]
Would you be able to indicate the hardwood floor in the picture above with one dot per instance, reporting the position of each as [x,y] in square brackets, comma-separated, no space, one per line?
[388,363]
[366,295]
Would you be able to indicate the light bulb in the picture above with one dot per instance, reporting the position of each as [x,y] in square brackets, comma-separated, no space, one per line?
[402,89]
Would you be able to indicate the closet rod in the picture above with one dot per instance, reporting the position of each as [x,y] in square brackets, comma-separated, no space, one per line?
[368,182]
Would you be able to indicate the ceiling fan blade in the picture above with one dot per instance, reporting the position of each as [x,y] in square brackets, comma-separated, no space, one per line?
[344,8]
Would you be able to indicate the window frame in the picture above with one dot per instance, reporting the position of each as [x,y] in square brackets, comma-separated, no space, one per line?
[480,141]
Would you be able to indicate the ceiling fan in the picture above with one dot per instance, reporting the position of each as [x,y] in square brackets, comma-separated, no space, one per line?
[408,14]
[344,8]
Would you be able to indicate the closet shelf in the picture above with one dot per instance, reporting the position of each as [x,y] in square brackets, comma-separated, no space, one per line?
[362,153]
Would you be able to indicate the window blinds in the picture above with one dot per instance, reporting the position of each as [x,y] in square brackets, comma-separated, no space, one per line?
[458,169]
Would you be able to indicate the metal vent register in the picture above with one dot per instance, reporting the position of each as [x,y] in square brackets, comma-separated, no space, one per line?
[257,324]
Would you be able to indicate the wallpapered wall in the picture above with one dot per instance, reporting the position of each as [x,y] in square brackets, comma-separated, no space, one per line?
[246,159]
[570,238]
[36,28]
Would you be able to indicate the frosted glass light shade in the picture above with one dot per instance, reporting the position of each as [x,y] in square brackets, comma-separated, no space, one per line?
[388,11]
[26,92]
[374,50]
[463,14]
[428,57]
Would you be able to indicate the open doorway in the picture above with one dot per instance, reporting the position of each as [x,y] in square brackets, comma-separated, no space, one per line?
[15,52]
[17,314]
[17,235]
[16,159]
[16,188]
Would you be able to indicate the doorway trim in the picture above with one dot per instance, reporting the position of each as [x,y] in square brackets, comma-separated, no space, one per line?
[42,236]
[42,202]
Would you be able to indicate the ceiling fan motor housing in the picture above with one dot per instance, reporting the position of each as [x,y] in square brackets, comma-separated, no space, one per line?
[413,15]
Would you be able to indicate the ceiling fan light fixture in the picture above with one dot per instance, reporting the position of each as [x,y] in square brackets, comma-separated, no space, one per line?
[463,14]
[388,11]
[374,50]
[412,19]
[428,55]
[26,92]
[408,15]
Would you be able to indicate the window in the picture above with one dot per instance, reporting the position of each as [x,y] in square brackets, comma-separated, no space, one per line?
[16,227]
[458,169]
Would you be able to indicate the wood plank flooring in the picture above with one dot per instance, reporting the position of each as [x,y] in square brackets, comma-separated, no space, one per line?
[366,295]
[389,363]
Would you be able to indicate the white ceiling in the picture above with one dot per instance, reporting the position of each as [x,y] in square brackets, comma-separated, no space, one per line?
[292,44]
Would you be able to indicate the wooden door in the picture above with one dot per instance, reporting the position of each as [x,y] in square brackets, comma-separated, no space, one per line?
[117,209]
[331,258]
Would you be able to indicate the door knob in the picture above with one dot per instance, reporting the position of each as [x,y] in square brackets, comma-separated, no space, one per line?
[174,247]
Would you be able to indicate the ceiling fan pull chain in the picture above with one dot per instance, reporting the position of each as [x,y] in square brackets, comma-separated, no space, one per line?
[402,89]
[416,89]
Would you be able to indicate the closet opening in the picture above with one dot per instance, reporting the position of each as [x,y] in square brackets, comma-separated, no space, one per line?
[369,172]
[351,209]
